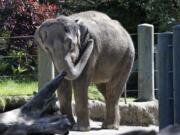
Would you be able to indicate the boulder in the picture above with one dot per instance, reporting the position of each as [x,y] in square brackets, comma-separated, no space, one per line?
[12,102]
[132,113]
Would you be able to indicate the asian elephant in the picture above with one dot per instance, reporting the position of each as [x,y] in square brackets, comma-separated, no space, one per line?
[91,48]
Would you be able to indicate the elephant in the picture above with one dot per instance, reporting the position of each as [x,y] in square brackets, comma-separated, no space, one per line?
[91,48]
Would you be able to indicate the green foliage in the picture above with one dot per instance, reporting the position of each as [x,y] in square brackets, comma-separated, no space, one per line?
[161,13]
[17,63]
[20,18]
[165,13]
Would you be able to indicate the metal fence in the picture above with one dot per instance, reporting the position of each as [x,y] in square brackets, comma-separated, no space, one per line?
[142,82]
[13,56]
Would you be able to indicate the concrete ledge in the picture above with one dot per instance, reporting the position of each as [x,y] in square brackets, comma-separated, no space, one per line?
[132,113]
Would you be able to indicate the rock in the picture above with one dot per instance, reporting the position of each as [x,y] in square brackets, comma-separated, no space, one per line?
[11,102]
[139,113]
[2,104]
[132,113]
[97,110]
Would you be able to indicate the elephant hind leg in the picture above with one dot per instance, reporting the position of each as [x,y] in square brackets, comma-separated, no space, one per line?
[113,92]
[111,96]
[112,117]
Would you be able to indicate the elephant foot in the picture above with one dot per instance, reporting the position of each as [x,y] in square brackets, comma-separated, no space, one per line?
[110,126]
[77,127]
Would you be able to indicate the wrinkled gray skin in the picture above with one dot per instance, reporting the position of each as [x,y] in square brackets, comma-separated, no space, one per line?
[91,48]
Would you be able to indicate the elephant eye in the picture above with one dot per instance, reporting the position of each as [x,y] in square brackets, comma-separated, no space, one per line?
[69,45]
[66,29]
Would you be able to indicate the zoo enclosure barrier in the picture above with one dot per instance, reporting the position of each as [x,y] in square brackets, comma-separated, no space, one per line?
[169,77]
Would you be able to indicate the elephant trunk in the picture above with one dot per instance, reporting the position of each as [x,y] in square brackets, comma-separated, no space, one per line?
[74,70]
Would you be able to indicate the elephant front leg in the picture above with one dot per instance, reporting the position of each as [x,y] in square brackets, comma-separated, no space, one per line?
[81,105]
[65,96]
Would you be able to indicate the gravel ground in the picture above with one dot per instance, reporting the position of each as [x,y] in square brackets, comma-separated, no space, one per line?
[96,129]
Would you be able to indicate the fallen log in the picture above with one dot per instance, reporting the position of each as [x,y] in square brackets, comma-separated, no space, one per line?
[38,116]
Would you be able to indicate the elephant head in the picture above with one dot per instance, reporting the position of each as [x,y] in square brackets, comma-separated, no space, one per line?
[67,42]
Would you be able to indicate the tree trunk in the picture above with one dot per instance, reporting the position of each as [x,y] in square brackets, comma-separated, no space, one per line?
[38,116]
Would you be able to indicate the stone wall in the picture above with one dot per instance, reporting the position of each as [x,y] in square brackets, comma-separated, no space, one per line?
[132,113]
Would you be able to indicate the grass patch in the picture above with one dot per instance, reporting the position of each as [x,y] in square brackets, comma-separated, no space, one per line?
[11,87]
[17,88]
[94,94]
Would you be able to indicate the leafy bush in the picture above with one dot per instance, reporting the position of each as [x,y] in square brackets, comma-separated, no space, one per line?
[20,18]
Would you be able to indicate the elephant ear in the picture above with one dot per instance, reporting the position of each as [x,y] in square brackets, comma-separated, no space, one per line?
[40,37]
[43,35]
[83,36]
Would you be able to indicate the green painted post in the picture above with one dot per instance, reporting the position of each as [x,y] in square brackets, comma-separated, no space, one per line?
[165,79]
[176,60]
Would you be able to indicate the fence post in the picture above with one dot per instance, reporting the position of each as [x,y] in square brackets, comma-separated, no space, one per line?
[145,62]
[45,68]
[165,78]
[176,61]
